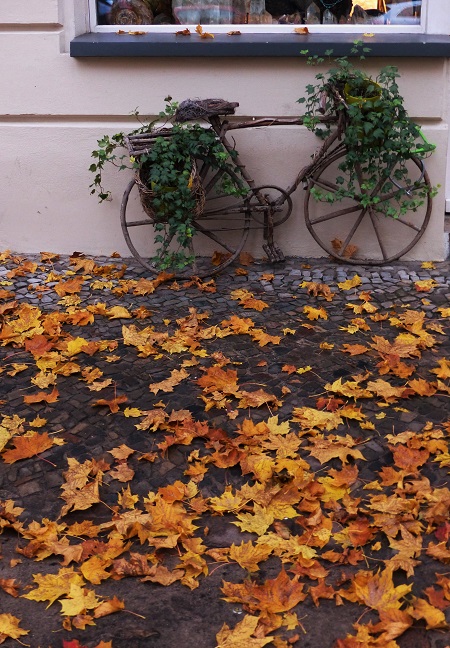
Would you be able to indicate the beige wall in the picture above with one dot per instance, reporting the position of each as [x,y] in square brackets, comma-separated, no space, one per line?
[56,107]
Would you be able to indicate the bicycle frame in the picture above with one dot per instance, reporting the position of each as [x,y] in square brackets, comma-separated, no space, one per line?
[222,127]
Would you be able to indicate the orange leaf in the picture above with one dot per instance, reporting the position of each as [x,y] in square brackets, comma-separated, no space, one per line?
[42,396]
[28,446]
[275,595]
[113,404]
[9,586]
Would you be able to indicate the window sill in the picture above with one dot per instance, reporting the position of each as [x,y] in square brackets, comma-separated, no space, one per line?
[258,45]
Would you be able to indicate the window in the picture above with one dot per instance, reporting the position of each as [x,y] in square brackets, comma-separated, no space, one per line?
[263,15]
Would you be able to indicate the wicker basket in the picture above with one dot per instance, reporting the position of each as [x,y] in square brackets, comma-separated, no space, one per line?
[197,190]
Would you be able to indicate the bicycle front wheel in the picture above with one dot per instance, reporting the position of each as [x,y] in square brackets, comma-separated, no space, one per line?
[357,230]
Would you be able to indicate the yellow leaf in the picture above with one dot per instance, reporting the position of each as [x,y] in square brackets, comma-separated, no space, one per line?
[75,346]
[247,555]
[118,312]
[132,411]
[315,313]
[9,627]
[257,522]
[425,286]
[80,600]
[241,636]
[326,346]
[302,370]
[421,609]
[350,283]
[53,586]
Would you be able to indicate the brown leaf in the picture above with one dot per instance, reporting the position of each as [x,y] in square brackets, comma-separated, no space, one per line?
[9,586]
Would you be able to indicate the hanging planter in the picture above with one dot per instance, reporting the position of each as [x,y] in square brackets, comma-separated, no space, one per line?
[364,95]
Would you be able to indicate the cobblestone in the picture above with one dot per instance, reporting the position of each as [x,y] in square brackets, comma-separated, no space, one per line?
[91,432]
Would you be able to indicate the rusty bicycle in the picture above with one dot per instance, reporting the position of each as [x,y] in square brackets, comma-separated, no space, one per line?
[226,220]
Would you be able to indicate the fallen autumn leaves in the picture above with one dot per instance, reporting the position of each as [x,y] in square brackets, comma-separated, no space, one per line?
[308,518]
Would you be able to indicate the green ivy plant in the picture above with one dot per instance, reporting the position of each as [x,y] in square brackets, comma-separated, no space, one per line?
[166,170]
[378,135]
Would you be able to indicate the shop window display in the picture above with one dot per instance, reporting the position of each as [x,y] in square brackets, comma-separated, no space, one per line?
[306,12]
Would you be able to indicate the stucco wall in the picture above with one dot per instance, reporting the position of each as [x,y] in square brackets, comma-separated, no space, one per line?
[56,107]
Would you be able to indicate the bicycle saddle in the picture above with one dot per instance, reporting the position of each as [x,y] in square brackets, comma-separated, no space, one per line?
[190,109]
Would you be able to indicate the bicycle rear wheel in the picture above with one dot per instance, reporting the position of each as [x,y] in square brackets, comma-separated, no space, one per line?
[351,231]
[220,230]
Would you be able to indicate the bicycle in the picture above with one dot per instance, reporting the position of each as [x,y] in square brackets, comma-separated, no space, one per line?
[227,220]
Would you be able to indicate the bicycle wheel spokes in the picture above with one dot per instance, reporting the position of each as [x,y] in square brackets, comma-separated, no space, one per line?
[379,225]
[336,214]
[219,233]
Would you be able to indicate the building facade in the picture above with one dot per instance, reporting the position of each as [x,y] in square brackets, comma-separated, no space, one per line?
[69,77]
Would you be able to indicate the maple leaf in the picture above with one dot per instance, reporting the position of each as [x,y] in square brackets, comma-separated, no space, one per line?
[42,396]
[322,590]
[257,399]
[325,449]
[247,555]
[315,313]
[176,376]
[247,300]
[443,371]
[377,591]
[258,522]
[217,379]
[122,452]
[69,287]
[309,417]
[163,576]
[425,285]
[241,636]
[122,472]
[439,552]
[53,586]
[318,290]
[421,609]
[113,403]
[350,283]
[78,492]
[279,594]
[393,623]
[264,338]
[9,628]
[9,586]
[409,459]
[350,388]
[79,601]
[28,446]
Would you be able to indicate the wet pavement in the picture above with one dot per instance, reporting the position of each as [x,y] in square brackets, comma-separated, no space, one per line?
[136,336]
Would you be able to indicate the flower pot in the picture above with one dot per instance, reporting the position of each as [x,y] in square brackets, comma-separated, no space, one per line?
[358,96]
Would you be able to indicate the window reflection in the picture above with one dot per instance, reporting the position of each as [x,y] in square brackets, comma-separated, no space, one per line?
[309,12]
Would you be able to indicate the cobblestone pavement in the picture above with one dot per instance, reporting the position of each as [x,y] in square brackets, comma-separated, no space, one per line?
[175,615]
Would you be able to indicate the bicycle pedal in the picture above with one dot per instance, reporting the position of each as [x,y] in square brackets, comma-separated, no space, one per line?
[274,253]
